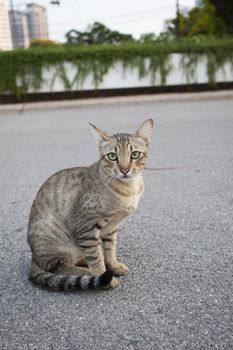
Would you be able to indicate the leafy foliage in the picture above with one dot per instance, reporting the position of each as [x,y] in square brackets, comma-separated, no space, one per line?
[21,70]
[147,37]
[199,20]
[97,33]
[205,21]
[43,42]
[224,10]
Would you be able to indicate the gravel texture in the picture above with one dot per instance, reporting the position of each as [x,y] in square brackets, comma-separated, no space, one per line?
[178,246]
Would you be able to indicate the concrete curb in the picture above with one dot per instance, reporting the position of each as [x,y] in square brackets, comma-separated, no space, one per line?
[172,97]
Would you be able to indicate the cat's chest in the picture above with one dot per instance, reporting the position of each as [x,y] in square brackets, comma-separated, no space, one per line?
[129,203]
[122,200]
[125,197]
[116,213]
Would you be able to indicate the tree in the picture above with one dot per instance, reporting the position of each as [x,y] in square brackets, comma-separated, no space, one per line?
[147,37]
[43,42]
[183,25]
[200,20]
[97,33]
[204,20]
[224,10]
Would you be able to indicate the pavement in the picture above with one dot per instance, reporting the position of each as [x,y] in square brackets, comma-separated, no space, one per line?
[136,99]
[178,245]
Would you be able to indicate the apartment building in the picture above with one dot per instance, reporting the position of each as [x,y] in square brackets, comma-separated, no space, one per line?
[5,32]
[28,24]
[19,29]
[37,21]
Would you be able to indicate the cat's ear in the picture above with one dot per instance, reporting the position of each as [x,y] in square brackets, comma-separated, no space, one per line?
[99,134]
[145,130]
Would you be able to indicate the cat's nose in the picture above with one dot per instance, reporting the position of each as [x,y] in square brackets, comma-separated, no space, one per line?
[124,170]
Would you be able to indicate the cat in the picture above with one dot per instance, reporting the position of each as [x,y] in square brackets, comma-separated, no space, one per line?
[73,223]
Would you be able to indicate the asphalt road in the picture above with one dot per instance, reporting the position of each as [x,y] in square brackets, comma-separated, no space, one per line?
[178,245]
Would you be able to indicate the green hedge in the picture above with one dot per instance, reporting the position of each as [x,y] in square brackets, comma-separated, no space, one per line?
[21,69]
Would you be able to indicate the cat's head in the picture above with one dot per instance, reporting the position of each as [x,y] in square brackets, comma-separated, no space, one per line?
[123,155]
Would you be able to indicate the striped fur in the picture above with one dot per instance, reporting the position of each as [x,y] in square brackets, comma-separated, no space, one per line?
[68,283]
[72,229]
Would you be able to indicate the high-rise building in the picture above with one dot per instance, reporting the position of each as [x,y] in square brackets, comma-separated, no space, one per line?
[29,24]
[19,29]
[5,33]
[37,21]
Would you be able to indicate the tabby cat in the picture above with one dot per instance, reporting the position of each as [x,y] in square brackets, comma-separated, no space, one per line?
[74,218]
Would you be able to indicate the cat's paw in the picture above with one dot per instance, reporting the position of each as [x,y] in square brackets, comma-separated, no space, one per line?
[119,269]
[114,283]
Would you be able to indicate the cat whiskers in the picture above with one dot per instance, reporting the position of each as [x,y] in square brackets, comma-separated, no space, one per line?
[109,176]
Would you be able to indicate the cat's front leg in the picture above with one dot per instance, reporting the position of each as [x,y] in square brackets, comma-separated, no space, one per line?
[91,250]
[109,247]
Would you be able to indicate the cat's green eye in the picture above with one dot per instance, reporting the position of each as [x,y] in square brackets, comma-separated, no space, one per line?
[112,156]
[135,155]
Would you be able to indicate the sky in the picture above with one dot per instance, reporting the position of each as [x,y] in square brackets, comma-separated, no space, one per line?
[127,16]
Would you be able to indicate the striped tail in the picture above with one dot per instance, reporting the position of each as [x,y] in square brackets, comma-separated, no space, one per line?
[68,283]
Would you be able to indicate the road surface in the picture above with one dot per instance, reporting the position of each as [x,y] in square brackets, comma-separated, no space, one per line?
[178,245]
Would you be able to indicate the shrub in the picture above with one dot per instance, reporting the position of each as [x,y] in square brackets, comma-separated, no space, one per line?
[21,69]
[43,42]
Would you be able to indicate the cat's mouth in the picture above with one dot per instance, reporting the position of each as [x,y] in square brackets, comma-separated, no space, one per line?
[125,177]
[122,177]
